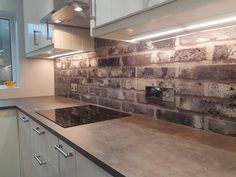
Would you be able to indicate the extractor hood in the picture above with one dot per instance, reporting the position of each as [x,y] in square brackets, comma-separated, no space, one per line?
[70,30]
[69,12]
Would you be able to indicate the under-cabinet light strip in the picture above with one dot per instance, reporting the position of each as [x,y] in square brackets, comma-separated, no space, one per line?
[187,28]
[64,54]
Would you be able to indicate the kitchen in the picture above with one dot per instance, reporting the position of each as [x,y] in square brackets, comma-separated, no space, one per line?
[102,88]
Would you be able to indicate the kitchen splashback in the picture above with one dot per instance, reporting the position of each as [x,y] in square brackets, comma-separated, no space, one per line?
[201,68]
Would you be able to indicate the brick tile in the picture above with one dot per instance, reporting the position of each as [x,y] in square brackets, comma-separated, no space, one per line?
[109,62]
[129,84]
[222,90]
[224,53]
[195,54]
[168,43]
[224,108]
[187,119]
[109,103]
[222,126]
[209,36]
[98,91]
[122,72]
[89,99]
[116,94]
[190,88]
[135,60]
[213,72]
[156,72]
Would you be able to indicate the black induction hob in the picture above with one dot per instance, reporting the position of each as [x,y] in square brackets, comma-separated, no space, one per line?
[74,116]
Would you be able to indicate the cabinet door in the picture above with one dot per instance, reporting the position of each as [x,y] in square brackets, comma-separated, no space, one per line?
[9,149]
[109,10]
[45,159]
[86,168]
[103,11]
[67,159]
[25,147]
[37,35]
[46,31]
[31,24]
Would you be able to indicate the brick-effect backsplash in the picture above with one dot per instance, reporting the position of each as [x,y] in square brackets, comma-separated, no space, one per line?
[200,67]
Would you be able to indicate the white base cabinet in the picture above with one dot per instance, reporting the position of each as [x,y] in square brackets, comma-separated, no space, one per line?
[42,154]
[86,168]
[9,146]
[25,146]
[44,158]
[67,160]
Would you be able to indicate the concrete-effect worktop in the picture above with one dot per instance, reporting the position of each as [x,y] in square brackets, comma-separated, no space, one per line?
[138,146]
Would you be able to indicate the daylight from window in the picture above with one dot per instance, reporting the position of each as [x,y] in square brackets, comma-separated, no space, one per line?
[5,51]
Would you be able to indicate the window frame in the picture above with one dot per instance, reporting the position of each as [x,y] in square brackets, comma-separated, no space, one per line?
[14,44]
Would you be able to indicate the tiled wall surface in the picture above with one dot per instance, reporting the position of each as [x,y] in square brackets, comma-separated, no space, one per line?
[200,67]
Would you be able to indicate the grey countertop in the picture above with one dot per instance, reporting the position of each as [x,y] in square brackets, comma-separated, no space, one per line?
[138,146]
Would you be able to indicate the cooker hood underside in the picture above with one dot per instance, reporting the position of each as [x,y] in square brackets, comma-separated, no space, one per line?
[69,17]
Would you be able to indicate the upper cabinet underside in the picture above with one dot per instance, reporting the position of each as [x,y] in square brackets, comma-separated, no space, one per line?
[126,20]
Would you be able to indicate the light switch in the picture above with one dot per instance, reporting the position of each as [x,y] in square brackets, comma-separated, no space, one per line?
[74,87]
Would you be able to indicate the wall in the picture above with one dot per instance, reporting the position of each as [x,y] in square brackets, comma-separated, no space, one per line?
[36,76]
[200,67]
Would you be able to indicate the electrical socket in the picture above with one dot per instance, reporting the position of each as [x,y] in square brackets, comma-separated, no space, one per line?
[74,87]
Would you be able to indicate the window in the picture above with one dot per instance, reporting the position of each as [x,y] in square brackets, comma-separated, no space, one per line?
[8,46]
[5,51]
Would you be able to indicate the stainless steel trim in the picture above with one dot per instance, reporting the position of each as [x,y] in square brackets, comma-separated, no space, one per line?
[36,157]
[37,131]
[59,149]
[24,119]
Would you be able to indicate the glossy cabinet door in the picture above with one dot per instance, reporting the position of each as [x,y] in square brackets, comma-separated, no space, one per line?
[86,168]
[67,161]
[151,3]
[109,10]
[9,146]
[37,35]
[44,158]
[46,31]
[25,146]
[31,25]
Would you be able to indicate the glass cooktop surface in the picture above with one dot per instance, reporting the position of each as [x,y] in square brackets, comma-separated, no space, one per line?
[74,116]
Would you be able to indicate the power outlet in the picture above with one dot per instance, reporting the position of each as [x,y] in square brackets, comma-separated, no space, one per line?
[74,87]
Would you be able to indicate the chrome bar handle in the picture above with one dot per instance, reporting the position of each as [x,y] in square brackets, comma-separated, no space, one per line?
[59,149]
[48,32]
[35,38]
[24,119]
[38,131]
[36,157]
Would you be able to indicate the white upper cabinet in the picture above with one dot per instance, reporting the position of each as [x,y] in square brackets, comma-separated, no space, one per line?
[136,20]
[37,35]
[109,10]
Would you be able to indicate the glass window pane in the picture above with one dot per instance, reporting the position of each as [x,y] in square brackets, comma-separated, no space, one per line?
[5,51]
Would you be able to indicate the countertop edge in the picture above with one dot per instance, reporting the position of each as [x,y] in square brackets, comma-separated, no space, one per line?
[95,160]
